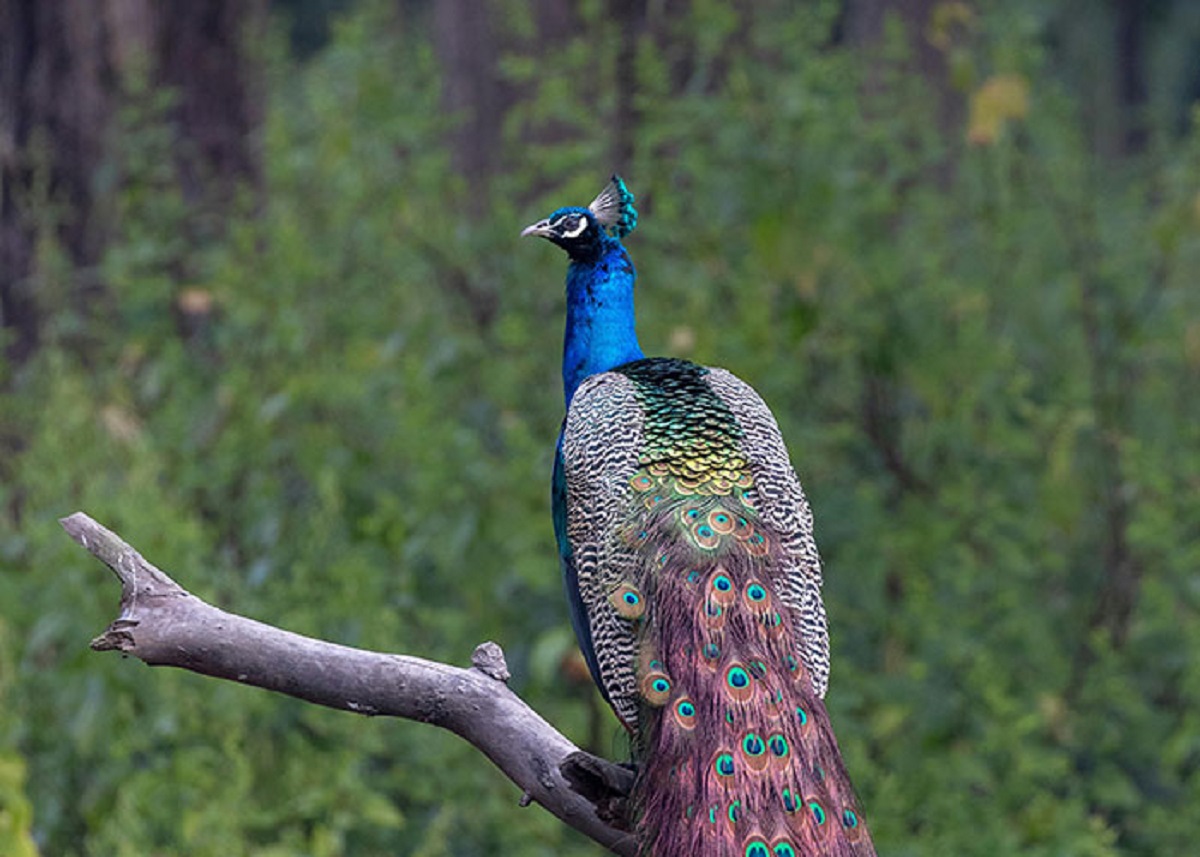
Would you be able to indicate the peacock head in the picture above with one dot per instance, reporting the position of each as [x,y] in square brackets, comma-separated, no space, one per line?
[585,232]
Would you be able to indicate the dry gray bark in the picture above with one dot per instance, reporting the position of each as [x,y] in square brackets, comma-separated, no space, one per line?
[163,624]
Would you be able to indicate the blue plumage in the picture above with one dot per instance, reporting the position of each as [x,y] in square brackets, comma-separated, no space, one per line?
[600,279]
[600,330]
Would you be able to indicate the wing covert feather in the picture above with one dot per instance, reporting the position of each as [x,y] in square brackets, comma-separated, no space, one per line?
[785,509]
[601,443]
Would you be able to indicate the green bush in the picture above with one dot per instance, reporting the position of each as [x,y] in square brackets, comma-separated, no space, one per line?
[337,413]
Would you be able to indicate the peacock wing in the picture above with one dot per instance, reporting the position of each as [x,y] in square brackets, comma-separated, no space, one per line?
[601,442]
[784,509]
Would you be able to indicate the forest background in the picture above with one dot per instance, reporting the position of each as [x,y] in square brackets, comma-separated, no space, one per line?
[265,313]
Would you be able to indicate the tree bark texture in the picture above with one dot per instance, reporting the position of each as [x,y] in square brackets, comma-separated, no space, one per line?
[163,624]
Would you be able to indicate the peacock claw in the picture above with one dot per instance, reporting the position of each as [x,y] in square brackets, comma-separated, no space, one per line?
[605,784]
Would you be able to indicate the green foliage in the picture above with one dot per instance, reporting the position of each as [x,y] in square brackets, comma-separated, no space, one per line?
[16,813]
[336,413]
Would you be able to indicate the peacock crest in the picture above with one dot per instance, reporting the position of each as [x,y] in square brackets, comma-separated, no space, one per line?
[613,208]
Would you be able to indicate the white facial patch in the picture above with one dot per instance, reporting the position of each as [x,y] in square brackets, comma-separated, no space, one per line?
[578,230]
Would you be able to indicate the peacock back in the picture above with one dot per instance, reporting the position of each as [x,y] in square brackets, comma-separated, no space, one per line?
[696,582]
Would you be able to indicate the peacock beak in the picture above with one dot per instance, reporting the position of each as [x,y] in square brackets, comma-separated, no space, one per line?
[541,229]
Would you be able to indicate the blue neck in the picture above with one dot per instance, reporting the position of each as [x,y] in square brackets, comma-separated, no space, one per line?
[600,323]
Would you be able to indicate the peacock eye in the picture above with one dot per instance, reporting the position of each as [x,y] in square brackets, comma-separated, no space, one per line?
[573,226]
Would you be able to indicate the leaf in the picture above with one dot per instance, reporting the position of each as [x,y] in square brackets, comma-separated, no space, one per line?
[1000,99]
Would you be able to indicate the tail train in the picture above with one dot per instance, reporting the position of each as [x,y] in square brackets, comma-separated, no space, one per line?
[738,754]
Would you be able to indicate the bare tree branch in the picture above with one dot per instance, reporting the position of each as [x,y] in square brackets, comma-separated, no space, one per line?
[165,625]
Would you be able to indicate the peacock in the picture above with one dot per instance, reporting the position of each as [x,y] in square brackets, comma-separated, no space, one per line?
[693,578]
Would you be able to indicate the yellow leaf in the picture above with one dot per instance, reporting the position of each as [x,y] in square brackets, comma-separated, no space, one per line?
[1002,98]
[948,23]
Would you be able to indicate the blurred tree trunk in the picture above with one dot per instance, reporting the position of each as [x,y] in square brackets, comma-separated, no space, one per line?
[63,69]
[471,38]
[863,23]
[631,17]
[1131,75]
[206,53]
[469,44]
